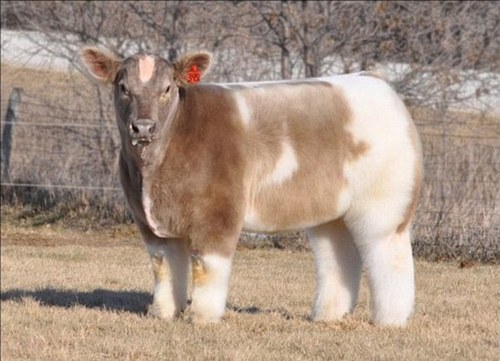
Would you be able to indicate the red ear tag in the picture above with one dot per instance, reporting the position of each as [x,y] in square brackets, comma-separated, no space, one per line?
[193,75]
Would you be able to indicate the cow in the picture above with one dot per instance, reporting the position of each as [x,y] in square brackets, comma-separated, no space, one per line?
[337,156]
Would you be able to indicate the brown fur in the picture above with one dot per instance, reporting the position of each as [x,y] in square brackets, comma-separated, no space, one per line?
[204,169]
[324,140]
[200,274]
[159,269]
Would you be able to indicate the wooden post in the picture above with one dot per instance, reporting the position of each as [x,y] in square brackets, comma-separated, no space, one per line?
[10,118]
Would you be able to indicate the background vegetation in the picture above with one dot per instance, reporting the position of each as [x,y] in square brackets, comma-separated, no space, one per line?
[442,57]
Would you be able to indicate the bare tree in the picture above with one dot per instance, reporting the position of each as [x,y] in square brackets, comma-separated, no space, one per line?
[272,25]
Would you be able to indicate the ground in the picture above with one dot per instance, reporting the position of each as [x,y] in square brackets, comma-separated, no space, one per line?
[77,295]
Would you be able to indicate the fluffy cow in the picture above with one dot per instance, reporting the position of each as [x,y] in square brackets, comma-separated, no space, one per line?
[337,156]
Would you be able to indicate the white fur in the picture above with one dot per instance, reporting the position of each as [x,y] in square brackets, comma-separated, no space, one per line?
[244,109]
[285,167]
[377,208]
[170,293]
[338,271]
[382,122]
[389,264]
[146,68]
[209,298]
[251,221]
[148,205]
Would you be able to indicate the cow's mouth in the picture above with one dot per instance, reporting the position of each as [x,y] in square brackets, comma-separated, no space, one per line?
[142,142]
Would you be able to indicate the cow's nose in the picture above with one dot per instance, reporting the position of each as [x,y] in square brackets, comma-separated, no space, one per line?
[142,128]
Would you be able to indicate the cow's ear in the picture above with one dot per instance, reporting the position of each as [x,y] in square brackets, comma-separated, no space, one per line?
[102,65]
[191,68]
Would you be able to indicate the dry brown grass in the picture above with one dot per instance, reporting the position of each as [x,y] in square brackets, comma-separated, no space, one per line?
[68,301]
[459,214]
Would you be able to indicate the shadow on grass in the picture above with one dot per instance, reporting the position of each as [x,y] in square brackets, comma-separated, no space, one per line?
[253,310]
[123,301]
[126,301]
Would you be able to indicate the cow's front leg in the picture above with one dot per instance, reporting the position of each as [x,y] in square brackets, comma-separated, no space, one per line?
[170,263]
[210,274]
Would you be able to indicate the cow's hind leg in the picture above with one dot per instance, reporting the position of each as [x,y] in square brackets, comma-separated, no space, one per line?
[389,264]
[170,263]
[338,271]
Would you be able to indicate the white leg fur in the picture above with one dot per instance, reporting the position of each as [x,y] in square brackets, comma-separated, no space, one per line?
[389,263]
[338,271]
[210,287]
[170,264]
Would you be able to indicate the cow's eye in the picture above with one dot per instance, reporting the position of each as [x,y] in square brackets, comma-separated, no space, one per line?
[124,90]
[167,90]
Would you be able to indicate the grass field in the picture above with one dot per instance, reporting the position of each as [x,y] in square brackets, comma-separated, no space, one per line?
[68,295]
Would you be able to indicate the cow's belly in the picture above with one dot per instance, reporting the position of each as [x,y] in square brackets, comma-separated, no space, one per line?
[295,192]
[294,206]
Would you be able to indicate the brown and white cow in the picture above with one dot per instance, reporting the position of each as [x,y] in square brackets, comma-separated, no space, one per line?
[338,156]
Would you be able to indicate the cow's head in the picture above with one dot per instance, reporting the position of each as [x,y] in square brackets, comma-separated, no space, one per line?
[146,91]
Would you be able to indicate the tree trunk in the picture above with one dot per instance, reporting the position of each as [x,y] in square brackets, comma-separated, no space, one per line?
[285,63]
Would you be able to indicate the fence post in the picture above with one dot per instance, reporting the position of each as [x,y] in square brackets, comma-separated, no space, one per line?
[10,118]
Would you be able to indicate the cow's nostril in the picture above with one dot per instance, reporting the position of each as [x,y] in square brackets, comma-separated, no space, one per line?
[142,128]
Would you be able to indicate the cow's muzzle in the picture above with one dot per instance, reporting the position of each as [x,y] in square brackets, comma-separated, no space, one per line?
[142,131]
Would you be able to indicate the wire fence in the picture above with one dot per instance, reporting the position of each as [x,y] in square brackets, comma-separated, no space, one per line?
[58,151]
[61,186]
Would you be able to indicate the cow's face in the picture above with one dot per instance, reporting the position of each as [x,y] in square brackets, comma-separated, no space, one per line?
[146,91]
